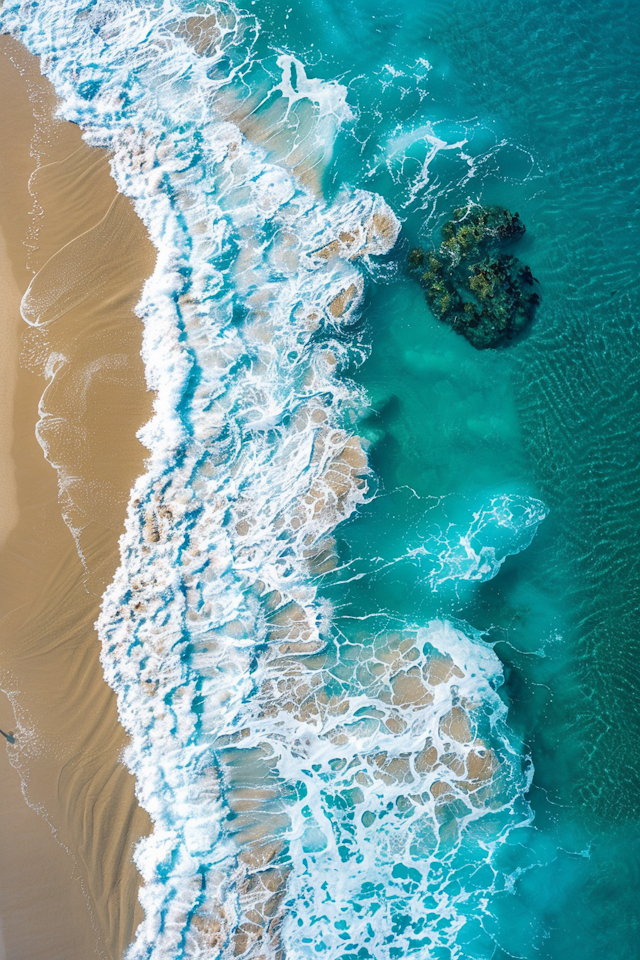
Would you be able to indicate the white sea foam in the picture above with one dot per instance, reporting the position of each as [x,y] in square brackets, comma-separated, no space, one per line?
[303,791]
[474,551]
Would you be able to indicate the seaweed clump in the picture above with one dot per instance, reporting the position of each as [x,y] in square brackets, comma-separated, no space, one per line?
[485,295]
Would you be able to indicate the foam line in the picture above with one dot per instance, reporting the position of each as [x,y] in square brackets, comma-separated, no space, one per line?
[291,782]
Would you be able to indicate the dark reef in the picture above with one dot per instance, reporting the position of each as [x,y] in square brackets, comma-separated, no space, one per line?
[485,295]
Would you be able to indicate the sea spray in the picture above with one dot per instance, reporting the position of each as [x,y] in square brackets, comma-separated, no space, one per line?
[308,795]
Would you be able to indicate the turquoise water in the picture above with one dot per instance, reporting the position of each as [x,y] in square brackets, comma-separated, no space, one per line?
[494,555]
[547,98]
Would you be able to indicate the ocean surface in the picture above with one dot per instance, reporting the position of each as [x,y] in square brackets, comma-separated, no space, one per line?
[374,635]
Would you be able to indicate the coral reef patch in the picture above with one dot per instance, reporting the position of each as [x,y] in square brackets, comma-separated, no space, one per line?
[484,294]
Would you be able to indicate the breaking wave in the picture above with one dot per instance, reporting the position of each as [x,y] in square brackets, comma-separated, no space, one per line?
[310,795]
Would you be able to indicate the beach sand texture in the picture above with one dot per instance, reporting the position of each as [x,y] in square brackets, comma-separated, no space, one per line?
[90,255]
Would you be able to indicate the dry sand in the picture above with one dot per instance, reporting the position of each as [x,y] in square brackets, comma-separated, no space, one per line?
[68,888]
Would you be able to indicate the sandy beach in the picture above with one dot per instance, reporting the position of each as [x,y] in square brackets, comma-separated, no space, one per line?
[68,887]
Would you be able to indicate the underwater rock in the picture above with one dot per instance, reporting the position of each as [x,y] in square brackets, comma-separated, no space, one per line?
[485,295]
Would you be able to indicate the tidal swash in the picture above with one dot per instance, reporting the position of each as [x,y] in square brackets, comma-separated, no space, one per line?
[374,635]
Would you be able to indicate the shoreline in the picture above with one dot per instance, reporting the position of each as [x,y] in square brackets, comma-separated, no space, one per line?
[68,888]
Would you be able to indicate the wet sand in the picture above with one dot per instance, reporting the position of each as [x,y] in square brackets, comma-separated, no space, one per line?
[68,887]
[9,315]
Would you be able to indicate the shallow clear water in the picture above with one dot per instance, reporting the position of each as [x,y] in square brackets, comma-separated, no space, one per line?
[283,688]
